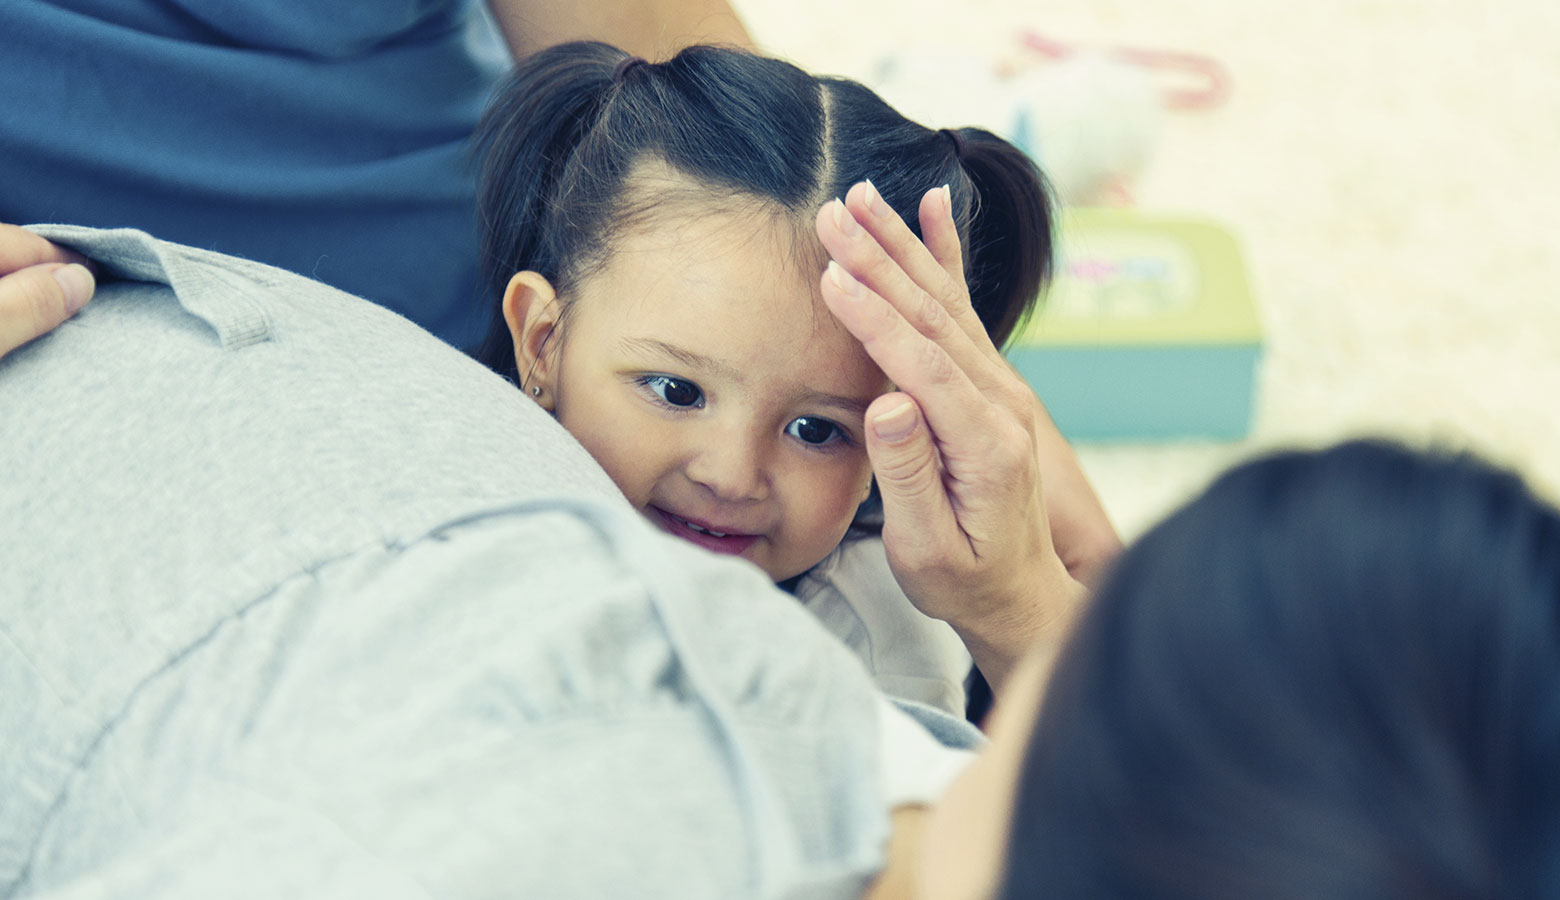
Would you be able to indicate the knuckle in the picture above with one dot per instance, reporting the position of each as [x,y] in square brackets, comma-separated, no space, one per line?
[1016,396]
[932,318]
[1012,451]
[871,322]
[875,264]
[955,290]
[915,556]
[882,322]
[935,362]
[1011,392]
[909,474]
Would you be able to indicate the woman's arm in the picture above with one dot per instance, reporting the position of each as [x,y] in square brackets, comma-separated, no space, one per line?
[957,448]
[654,29]
[1084,536]
[41,285]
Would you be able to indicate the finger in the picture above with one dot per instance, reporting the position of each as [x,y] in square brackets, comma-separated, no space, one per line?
[869,259]
[940,235]
[918,517]
[20,248]
[920,367]
[36,299]
[935,261]
[858,251]
[911,254]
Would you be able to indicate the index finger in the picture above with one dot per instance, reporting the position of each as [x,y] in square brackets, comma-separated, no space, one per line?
[20,248]
[36,299]
[916,365]
[934,261]
[864,256]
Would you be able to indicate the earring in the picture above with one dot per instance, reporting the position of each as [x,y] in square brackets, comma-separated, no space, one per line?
[536,390]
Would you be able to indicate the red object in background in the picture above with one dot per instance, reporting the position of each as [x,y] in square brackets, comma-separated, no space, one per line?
[1213,81]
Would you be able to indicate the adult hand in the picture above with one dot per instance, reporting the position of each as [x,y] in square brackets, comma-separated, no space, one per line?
[955,449]
[41,285]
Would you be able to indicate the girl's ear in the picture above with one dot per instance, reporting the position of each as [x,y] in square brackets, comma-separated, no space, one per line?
[531,310]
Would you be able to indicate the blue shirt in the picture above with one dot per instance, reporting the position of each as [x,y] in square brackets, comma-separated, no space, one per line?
[325,138]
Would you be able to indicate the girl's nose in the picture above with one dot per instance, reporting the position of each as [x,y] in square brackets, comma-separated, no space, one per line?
[731,467]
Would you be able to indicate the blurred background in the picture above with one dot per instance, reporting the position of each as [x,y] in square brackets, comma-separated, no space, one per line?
[1386,167]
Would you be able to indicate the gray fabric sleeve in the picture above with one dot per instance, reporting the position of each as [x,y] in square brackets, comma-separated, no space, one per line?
[322,608]
[521,705]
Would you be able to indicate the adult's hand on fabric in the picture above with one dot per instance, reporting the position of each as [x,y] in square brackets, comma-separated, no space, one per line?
[956,448]
[41,285]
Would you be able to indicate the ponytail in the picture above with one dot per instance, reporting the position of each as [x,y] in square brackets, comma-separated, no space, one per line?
[1011,234]
[558,141]
[562,134]
[524,144]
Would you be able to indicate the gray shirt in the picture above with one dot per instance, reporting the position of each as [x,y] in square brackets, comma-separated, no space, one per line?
[297,601]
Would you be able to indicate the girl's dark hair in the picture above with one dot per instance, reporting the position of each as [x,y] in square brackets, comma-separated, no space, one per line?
[565,130]
[1335,674]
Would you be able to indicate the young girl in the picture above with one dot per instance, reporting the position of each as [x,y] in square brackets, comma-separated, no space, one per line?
[650,230]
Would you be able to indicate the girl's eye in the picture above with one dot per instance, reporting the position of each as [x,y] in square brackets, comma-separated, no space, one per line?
[815,431]
[674,391]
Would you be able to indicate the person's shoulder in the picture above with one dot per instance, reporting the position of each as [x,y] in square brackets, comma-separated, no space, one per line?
[208,389]
[242,301]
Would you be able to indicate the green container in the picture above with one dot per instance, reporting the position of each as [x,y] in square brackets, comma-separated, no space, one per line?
[1149,331]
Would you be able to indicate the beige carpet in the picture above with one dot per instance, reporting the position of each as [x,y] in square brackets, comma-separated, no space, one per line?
[1390,167]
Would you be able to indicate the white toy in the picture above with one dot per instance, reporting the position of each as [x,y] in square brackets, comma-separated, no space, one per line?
[1090,118]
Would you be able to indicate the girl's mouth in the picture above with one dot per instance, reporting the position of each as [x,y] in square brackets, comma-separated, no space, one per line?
[699,533]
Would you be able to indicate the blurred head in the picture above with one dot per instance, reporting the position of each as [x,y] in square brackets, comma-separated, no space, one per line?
[649,230]
[1334,674]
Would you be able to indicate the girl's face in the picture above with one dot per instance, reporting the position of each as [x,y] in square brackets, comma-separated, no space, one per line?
[701,369]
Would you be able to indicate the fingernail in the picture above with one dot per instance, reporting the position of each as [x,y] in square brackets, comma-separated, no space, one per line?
[948,200]
[875,202]
[843,280]
[77,284]
[896,424]
[844,221]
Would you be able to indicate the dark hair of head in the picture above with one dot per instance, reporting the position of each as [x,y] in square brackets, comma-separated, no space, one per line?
[1335,674]
[560,138]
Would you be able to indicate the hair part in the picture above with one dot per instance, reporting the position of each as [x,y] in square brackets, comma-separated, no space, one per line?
[565,140]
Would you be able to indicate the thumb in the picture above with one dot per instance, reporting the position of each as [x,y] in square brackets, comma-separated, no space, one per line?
[917,514]
[35,300]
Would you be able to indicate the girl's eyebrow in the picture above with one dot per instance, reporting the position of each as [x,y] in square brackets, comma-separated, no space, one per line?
[686,357]
[851,405]
[703,363]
